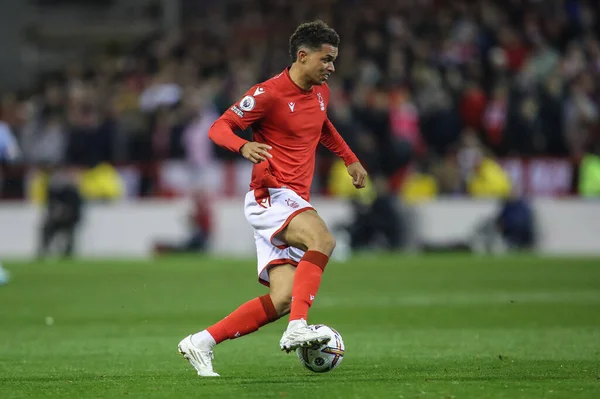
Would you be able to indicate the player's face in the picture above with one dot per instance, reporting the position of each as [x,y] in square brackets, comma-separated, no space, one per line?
[319,64]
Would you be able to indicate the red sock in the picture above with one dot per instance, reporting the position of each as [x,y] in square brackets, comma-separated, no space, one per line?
[306,283]
[244,320]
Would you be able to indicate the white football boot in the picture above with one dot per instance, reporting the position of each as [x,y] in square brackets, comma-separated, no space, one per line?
[201,359]
[300,335]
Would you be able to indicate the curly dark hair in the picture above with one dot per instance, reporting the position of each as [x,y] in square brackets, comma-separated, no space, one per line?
[312,35]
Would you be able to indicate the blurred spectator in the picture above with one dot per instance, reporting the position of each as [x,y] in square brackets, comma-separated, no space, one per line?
[448,175]
[9,149]
[200,226]
[163,91]
[420,185]
[488,180]
[63,212]
[516,223]
[581,113]
[376,222]
[495,117]
[542,62]
[45,140]
[589,174]
[200,115]
[101,183]
[441,124]
[514,49]
[512,229]
[552,116]
[472,106]
[524,134]
[483,176]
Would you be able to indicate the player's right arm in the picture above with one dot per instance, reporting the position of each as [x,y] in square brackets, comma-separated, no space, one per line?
[250,109]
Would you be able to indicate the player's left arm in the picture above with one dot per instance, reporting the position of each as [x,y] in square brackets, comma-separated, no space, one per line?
[333,141]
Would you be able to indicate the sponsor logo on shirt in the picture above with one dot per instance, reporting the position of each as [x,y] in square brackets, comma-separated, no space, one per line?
[247,103]
[237,111]
[258,91]
[291,105]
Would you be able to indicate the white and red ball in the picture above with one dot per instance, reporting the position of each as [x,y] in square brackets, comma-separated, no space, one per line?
[325,357]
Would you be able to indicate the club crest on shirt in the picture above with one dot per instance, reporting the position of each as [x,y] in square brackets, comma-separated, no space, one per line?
[247,103]
[291,203]
[321,101]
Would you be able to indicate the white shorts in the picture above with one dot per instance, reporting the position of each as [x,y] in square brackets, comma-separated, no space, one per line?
[269,211]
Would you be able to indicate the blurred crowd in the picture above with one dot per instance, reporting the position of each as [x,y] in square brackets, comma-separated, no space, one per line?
[429,93]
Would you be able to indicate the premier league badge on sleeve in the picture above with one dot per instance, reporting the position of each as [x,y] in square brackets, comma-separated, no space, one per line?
[247,103]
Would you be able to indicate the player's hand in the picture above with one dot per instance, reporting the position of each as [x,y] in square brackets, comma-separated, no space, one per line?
[256,152]
[358,173]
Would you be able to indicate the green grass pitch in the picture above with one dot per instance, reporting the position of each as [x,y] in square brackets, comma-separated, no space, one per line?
[414,327]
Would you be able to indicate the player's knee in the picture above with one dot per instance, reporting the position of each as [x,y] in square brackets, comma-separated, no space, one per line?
[323,242]
[329,243]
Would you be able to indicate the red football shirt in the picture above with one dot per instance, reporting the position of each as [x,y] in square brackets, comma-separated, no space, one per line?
[293,121]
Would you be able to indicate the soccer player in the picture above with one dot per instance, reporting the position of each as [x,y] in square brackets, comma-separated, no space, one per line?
[288,117]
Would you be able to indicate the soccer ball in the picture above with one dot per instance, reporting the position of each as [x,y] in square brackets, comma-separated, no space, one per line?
[326,357]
